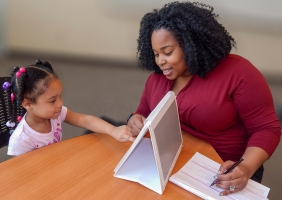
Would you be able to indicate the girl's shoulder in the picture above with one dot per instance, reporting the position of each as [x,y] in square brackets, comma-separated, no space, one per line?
[63,114]
[17,133]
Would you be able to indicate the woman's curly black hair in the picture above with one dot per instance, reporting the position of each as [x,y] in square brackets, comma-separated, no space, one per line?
[203,40]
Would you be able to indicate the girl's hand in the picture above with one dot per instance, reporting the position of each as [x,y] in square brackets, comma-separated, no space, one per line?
[238,177]
[135,123]
[122,134]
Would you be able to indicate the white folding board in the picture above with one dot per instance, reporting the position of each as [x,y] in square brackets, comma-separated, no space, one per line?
[149,161]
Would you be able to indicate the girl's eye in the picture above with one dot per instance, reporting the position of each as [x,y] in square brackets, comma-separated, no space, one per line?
[156,55]
[168,54]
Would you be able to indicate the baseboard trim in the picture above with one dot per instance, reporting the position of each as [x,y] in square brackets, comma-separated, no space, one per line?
[271,77]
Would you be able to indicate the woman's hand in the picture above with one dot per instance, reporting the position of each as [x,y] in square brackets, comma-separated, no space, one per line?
[135,123]
[122,134]
[234,181]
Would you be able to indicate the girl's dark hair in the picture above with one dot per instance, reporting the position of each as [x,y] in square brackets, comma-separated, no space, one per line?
[29,84]
[203,40]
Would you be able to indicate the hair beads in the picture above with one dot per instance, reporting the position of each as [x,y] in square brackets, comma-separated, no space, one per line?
[22,70]
[6,85]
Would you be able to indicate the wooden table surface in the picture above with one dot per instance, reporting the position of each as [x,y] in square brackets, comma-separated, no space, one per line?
[82,168]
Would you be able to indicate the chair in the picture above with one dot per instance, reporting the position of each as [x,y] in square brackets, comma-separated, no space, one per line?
[4,130]
[278,109]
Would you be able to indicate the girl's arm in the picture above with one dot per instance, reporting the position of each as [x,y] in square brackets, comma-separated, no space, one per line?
[95,124]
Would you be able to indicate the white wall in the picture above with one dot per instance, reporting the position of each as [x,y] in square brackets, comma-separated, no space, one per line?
[69,27]
[2,27]
[109,28]
[264,50]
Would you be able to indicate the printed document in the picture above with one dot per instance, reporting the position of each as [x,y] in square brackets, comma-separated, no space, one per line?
[198,173]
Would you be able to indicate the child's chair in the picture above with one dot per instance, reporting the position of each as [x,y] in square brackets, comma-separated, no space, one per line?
[4,130]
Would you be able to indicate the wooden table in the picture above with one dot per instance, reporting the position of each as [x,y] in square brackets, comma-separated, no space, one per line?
[82,168]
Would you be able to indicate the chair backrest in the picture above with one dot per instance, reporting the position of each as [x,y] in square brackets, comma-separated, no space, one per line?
[4,130]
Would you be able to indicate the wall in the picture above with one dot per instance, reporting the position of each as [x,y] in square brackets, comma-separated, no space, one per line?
[262,49]
[108,29]
[69,27]
[2,27]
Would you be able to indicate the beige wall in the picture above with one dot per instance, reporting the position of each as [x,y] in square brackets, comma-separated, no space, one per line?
[107,29]
[69,27]
[264,50]
[2,26]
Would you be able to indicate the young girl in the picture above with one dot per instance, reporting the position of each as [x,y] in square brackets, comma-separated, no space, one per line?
[36,111]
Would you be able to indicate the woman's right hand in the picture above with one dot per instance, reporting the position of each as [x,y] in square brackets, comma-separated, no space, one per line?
[135,123]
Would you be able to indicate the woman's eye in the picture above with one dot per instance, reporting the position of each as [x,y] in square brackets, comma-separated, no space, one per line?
[168,54]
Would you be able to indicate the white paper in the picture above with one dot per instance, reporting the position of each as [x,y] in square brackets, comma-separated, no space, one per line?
[198,173]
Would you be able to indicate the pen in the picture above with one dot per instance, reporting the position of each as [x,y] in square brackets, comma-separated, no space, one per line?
[229,170]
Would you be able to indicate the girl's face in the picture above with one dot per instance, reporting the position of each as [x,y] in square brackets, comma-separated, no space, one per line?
[49,104]
[168,54]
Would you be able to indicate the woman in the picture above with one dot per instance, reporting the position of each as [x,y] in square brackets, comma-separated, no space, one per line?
[222,98]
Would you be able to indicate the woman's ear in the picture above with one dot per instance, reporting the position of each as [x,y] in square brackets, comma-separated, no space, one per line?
[26,104]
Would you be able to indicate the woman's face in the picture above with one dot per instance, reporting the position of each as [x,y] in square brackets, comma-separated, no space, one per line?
[168,54]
